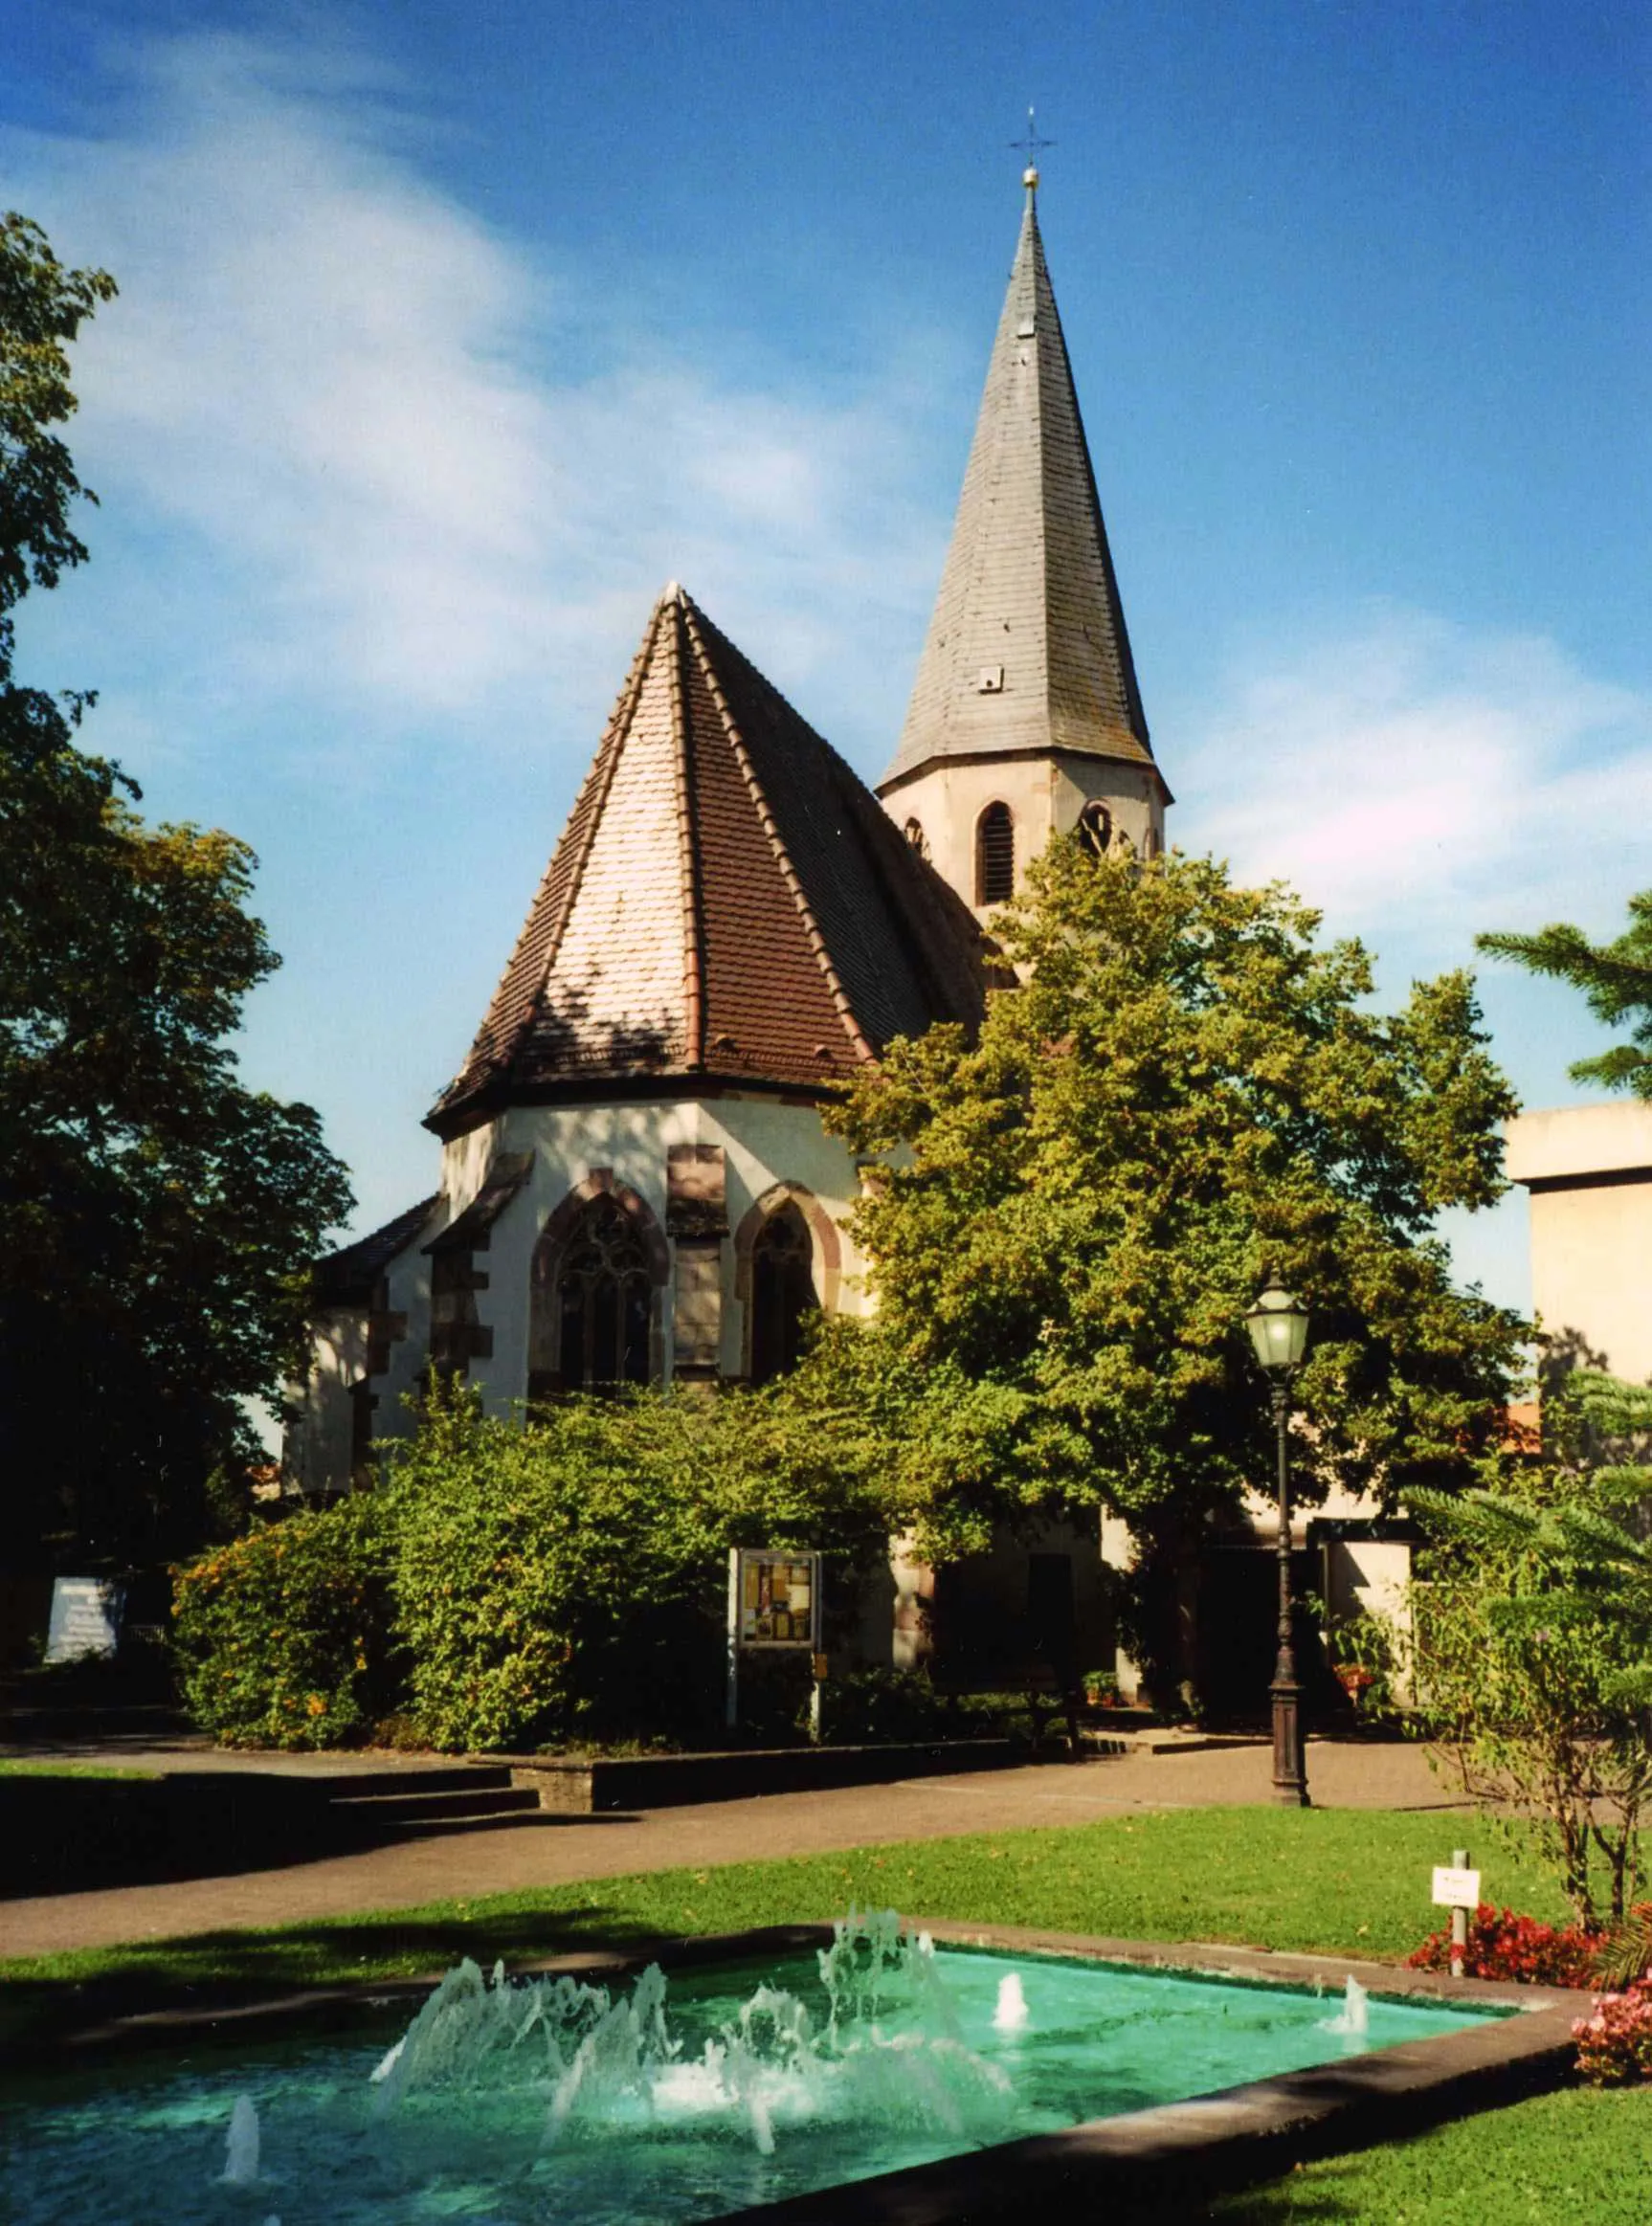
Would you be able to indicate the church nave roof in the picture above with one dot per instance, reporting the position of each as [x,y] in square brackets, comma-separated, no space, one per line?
[729,901]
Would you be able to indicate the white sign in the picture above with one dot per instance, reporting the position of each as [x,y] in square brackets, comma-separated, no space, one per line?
[1456,1889]
[85,1619]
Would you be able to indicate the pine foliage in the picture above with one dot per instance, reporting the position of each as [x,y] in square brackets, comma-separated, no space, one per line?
[1615,977]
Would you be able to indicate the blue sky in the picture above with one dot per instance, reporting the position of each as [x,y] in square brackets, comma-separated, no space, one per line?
[448,333]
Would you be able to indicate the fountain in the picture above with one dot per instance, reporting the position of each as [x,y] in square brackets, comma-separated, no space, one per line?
[1011,2014]
[1352,2021]
[241,2146]
[514,2102]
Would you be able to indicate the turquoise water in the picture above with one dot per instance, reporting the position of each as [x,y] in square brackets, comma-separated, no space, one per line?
[742,2088]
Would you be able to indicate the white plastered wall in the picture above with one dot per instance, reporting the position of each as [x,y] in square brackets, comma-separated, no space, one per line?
[316,1450]
[765,1140]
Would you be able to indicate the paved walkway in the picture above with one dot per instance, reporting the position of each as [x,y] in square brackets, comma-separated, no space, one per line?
[541,1850]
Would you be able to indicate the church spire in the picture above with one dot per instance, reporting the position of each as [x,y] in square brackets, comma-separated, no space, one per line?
[1027,650]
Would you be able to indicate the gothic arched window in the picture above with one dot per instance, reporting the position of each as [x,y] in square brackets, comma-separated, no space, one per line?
[602,1291]
[914,832]
[1096,829]
[995,855]
[782,1293]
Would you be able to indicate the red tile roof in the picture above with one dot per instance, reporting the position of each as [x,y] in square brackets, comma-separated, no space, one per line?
[729,901]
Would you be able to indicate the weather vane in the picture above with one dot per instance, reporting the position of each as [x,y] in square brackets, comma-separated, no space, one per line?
[1030,147]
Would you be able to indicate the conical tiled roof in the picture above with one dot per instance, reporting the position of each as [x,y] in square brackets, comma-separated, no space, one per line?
[1029,591]
[727,901]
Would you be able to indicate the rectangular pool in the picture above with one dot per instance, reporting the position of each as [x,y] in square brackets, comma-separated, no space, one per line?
[669,2100]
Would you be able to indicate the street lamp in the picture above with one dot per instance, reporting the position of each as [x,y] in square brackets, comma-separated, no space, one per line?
[1279,1331]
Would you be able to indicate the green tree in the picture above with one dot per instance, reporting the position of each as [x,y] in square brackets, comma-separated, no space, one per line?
[1524,1651]
[1068,1219]
[1615,977]
[155,1215]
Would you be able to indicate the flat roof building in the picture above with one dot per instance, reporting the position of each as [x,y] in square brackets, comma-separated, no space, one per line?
[1588,1169]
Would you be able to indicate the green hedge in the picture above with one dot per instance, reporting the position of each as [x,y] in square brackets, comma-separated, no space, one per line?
[514,1585]
[555,1582]
[283,1638]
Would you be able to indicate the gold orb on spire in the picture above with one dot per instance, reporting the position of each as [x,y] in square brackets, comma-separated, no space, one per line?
[1030,179]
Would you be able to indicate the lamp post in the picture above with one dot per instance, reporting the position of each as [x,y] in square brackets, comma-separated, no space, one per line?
[1279,1331]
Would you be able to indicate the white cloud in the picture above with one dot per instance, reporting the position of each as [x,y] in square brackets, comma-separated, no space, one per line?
[420,471]
[1419,780]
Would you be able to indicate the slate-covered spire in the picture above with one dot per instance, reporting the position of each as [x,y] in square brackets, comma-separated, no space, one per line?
[1027,649]
[727,902]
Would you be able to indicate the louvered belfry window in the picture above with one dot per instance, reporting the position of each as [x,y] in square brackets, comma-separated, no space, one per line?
[1096,829]
[782,1294]
[603,1294]
[995,855]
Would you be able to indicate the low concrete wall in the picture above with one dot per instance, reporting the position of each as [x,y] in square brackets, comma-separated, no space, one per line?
[58,1833]
[587,1786]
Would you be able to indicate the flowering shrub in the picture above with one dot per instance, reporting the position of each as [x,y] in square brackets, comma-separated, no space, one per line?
[1504,1945]
[1615,2040]
[282,1637]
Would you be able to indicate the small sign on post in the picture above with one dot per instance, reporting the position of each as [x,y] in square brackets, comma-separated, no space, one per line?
[1456,1888]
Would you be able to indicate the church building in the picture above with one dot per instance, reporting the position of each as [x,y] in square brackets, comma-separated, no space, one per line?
[636,1185]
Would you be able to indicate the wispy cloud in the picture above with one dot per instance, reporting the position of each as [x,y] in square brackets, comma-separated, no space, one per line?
[1419,781]
[413,468]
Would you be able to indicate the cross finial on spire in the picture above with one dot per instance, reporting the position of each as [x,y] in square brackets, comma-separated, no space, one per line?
[1030,145]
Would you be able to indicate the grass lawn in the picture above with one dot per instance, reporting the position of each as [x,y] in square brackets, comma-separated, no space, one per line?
[1349,1880]
[69,1769]
[1354,1880]
[1581,2153]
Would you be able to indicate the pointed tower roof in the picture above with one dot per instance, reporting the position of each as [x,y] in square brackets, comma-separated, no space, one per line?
[729,901]
[1027,649]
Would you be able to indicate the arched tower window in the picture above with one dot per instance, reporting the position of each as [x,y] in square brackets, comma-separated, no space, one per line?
[914,832]
[602,1295]
[995,855]
[782,1293]
[1096,829]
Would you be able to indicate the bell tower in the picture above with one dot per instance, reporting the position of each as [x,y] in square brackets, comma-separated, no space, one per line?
[1025,718]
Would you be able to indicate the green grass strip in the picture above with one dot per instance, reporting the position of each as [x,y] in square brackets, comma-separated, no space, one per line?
[1355,1882]
[69,1769]
[1583,2153]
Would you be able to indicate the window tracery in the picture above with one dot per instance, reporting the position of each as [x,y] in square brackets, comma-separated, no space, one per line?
[603,1293]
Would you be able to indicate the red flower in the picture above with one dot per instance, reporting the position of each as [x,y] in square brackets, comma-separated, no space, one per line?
[1504,1945]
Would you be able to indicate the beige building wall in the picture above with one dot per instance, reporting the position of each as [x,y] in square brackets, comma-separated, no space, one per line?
[1589,1172]
[1045,796]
